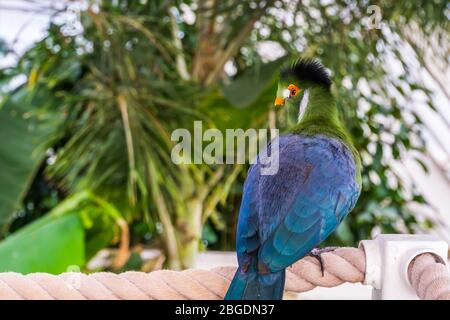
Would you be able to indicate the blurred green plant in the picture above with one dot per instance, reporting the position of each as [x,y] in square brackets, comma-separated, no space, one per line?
[69,234]
[141,69]
[43,246]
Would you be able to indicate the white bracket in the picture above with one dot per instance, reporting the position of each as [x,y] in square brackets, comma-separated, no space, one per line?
[388,257]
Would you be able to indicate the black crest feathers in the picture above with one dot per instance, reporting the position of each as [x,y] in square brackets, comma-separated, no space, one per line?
[307,70]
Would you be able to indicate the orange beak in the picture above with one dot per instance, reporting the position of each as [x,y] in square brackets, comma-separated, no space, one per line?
[279,102]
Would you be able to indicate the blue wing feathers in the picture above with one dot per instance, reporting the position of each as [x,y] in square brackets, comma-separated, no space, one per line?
[284,216]
[298,224]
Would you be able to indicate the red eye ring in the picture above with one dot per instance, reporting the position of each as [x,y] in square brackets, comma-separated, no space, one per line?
[293,90]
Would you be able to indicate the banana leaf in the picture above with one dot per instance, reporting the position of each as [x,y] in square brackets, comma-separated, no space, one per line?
[50,244]
[248,87]
[22,131]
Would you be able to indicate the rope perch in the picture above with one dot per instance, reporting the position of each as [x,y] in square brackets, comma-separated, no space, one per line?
[429,277]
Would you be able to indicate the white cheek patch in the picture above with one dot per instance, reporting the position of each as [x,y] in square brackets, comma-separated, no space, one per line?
[303,104]
[286,93]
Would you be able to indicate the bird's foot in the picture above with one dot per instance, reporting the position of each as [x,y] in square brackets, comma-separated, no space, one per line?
[317,253]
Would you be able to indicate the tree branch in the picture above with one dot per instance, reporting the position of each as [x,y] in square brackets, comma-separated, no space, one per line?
[181,62]
[130,148]
[219,193]
[234,45]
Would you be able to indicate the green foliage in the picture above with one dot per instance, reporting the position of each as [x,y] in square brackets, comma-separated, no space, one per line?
[139,70]
[370,97]
[70,234]
[251,84]
[43,246]
[22,130]
[100,219]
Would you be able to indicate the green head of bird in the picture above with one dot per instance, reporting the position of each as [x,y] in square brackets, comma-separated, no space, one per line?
[304,90]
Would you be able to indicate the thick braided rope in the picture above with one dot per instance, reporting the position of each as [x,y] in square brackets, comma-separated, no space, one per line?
[341,265]
[429,277]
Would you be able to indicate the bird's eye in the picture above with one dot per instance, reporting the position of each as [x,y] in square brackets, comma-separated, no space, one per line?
[293,90]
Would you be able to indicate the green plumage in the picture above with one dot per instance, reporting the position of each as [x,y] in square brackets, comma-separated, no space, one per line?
[321,115]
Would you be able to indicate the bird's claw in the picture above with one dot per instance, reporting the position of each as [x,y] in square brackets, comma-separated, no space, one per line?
[317,253]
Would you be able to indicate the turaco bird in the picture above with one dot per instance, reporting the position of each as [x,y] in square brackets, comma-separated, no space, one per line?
[284,216]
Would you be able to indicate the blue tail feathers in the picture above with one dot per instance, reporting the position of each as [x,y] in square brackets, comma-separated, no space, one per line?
[251,285]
